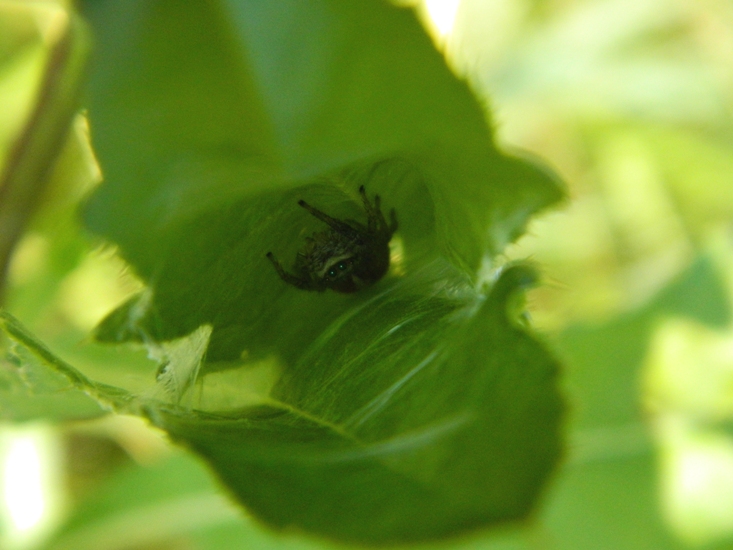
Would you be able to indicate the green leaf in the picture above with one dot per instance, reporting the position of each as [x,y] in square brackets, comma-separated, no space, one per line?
[417,416]
[193,108]
[427,412]
[34,383]
[208,137]
[414,409]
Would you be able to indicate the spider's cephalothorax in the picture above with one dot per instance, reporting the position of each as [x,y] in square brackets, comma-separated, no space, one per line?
[346,257]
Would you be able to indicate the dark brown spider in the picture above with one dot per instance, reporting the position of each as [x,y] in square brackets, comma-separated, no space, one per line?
[348,256]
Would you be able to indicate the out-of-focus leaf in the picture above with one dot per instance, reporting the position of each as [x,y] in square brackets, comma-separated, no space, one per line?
[606,60]
[607,505]
[697,169]
[177,499]
[147,506]
[610,486]
[604,361]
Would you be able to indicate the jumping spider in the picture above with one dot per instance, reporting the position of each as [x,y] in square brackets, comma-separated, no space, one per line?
[346,257]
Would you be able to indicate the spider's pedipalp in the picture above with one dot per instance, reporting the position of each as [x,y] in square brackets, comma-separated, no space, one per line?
[285,276]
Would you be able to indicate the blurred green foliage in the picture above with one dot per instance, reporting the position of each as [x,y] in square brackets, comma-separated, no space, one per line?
[628,100]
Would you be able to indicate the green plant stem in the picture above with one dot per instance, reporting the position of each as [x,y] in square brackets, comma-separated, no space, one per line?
[32,156]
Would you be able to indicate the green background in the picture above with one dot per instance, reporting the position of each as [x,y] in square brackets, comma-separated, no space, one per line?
[628,103]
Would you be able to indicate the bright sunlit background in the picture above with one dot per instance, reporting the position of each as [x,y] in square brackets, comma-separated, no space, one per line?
[31,481]
[629,101]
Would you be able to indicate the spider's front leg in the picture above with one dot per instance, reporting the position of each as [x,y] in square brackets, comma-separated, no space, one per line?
[337,225]
[288,277]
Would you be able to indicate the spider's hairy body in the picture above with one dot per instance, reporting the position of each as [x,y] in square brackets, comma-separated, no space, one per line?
[348,256]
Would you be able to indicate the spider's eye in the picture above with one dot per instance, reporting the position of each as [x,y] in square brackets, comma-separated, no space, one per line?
[331,272]
[342,265]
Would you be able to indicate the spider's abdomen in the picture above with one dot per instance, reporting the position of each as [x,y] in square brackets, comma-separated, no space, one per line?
[373,263]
